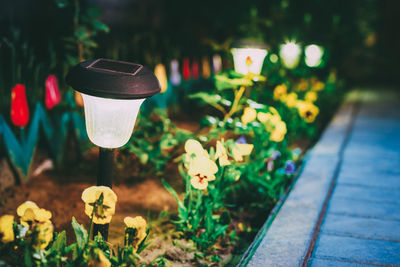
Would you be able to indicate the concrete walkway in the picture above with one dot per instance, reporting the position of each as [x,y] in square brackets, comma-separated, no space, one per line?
[344,209]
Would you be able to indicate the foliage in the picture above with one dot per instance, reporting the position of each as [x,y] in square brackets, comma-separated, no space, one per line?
[155,139]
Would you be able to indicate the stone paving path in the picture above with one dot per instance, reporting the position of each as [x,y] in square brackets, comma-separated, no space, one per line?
[361,226]
[344,209]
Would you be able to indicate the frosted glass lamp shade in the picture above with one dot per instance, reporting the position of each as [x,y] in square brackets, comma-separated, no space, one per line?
[112,93]
[313,55]
[248,59]
[290,55]
[110,122]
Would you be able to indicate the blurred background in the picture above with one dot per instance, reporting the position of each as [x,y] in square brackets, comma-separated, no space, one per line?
[49,36]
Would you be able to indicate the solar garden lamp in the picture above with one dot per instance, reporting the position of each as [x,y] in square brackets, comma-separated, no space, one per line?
[248,56]
[290,54]
[313,55]
[112,92]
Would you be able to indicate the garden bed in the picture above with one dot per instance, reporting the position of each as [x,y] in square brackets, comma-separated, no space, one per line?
[141,192]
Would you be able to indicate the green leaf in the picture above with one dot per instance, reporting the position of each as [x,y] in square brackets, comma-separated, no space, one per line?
[27,258]
[60,243]
[222,82]
[101,26]
[207,97]
[90,43]
[80,233]
[181,207]
[219,230]
[61,3]
[70,248]
[81,33]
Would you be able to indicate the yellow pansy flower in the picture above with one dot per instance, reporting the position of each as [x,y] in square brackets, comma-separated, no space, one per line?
[199,182]
[38,221]
[27,204]
[200,167]
[240,150]
[140,225]
[249,115]
[274,111]
[302,85]
[99,259]
[317,85]
[274,124]
[279,132]
[279,91]
[32,216]
[263,116]
[221,154]
[268,117]
[194,147]
[311,96]
[307,111]
[44,235]
[290,99]
[6,228]
[202,170]
[105,209]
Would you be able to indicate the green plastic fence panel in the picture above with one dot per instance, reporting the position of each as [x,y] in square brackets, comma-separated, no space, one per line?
[55,131]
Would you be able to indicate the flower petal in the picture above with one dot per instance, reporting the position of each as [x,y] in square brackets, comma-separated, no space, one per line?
[199,183]
[194,147]
[6,228]
[27,204]
[249,115]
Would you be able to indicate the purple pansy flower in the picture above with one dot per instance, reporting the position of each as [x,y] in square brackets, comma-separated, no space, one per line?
[290,167]
[275,155]
[241,140]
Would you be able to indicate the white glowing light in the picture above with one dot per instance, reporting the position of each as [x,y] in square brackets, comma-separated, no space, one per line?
[290,55]
[110,122]
[248,59]
[313,55]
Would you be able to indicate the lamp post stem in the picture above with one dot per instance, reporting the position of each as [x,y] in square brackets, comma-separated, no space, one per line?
[104,177]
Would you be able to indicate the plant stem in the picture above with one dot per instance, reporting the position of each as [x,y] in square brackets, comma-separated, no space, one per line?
[238,96]
[91,222]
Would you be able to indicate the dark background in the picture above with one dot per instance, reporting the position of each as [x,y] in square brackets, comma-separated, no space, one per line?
[362,36]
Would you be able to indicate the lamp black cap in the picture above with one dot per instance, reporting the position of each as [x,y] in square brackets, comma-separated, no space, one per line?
[113,79]
[248,43]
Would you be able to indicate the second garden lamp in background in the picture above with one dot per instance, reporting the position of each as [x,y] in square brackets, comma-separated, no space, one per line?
[113,92]
[313,55]
[248,56]
[290,54]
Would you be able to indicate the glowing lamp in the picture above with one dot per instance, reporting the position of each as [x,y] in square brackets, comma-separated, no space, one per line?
[314,55]
[290,54]
[112,93]
[248,56]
